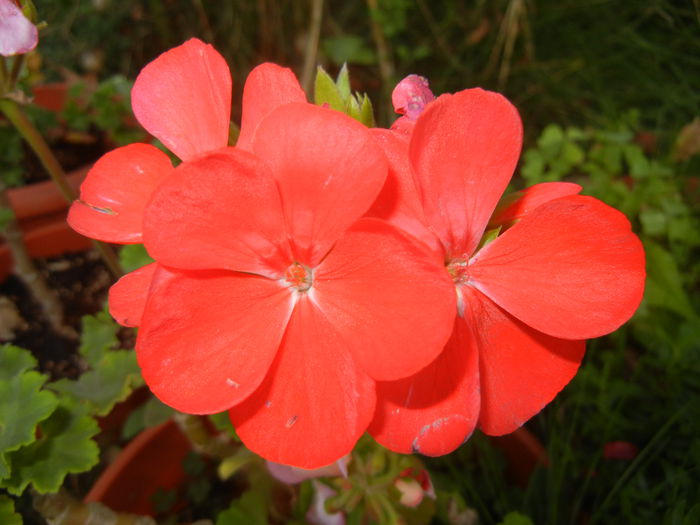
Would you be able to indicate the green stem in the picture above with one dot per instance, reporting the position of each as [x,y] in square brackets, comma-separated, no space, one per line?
[17,117]
[29,133]
[3,76]
[14,74]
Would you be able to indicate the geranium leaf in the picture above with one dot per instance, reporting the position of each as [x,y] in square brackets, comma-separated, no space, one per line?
[8,516]
[134,256]
[65,447]
[98,335]
[22,402]
[664,286]
[150,414]
[110,381]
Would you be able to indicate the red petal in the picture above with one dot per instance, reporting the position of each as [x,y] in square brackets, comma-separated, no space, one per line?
[183,98]
[436,410]
[315,403]
[572,269]
[208,338]
[464,149]
[127,297]
[267,87]
[219,211]
[391,299]
[329,171]
[398,202]
[521,370]
[115,193]
[516,205]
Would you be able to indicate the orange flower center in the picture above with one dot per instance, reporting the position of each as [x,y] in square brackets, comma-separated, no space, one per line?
[299,277]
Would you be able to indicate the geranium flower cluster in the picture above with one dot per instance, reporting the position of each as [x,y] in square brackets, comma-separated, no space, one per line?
[321,279]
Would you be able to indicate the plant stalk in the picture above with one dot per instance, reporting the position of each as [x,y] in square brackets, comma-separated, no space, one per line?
[31,135]
[386,66]
[312,45]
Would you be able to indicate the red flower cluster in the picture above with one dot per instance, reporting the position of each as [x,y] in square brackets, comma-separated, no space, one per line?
[278,296]
[536,277]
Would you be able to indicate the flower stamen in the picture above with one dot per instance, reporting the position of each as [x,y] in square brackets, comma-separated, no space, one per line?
[299,277]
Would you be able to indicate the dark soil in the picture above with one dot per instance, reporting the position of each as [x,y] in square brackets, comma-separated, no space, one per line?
[81,281]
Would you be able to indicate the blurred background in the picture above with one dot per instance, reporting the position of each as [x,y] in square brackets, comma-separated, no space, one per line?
[609,95]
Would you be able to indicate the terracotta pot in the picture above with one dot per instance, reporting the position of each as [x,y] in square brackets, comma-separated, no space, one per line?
[152,460]
[41,211]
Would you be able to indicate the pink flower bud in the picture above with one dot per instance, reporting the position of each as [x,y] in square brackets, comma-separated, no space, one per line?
[17,34]
[411,95]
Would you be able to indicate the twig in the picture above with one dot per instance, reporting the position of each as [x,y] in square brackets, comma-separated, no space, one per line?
[312,45]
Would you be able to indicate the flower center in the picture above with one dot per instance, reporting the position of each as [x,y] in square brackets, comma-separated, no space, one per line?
[459,270]
[299,277]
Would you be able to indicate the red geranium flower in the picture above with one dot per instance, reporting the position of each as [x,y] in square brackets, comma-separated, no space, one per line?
[183,98]
[563,268]
[270,296]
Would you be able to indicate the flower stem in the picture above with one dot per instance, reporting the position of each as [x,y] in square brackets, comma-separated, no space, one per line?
[31,135]
[217,446]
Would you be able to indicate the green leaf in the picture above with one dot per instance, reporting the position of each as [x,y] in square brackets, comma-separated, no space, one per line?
[23,405]
[6,215]
[326,91]
[8,516]
[250,508]
[99,334]
[134,256]
[664,286]
[65,447]
[349,48]
[150,414]
[110,381]
[515,518]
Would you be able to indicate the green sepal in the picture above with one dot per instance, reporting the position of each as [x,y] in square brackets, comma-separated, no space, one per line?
[23,405]
[326,91]
[65,446]
[338,95]
[367,112]
[489,237]
[8,516]
[343,82]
